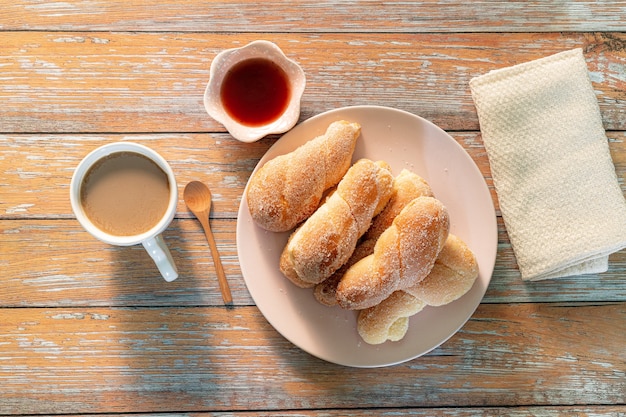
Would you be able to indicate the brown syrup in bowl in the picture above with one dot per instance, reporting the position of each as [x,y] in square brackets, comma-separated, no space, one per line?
[255,92]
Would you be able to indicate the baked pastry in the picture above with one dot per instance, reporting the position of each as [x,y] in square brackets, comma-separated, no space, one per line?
[403,255]
[452,276]
[326,291]
[326,240]
[388,320]
[288,188]
[407,186]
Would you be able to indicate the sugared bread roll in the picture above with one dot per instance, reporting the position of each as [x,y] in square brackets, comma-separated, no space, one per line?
[388,320]
[287,189]
[404,255]
[407,186]
[452,276]
[326,240]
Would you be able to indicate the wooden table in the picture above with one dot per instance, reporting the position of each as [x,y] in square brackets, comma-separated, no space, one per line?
[86,328]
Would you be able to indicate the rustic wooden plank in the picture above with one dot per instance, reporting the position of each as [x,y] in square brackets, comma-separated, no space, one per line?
[312,16]
[42,267]
[37,169]
[154,82]
[578,411]
[211,359]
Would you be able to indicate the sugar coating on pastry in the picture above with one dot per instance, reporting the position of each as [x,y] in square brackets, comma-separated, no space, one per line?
[312,249]
[388,320]
[327,239]
[407,186]
[326,291]
[403,255]
[288,188]
[452,276]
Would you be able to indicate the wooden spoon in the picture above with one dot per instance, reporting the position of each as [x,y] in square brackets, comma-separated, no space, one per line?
[197,196]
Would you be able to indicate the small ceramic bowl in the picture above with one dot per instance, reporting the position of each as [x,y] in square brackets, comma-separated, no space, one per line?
[220,67]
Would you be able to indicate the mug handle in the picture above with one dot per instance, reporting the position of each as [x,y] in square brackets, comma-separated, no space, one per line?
[162,257]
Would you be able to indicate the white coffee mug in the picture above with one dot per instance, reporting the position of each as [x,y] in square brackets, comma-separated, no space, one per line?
[151,239]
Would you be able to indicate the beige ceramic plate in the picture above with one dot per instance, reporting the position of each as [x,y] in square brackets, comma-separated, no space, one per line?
[404,141]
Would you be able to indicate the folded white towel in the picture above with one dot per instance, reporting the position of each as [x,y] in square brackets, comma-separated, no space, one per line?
[556,184]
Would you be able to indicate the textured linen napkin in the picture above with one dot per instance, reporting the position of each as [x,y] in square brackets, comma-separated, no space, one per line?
[560,199]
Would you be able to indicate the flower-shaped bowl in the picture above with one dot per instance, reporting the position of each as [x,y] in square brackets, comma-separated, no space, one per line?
[225,61]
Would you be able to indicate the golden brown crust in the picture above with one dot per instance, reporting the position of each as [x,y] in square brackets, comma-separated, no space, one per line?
[388,320]
[327,239]
[325,291]
[287,189]
[287,268]
[407,186]
[452,276]
[404,255]
[315,248]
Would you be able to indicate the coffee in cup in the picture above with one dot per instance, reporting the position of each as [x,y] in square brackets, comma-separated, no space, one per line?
[124,194]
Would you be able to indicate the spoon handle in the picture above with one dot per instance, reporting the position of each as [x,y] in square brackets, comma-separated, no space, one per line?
[219,269]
